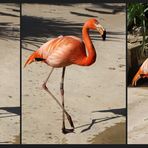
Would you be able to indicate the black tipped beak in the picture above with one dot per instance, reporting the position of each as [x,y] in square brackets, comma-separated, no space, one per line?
[104,35]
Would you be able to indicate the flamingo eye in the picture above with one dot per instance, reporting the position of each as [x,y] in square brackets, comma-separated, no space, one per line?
[39,59]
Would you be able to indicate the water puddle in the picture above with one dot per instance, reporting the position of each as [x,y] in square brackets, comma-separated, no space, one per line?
[16,140]
[113,135]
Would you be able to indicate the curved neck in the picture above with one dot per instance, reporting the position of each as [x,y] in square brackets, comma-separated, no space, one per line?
[91,55]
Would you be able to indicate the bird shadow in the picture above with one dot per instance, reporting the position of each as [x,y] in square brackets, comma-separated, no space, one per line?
[95,121]
[118,112]
[10,112]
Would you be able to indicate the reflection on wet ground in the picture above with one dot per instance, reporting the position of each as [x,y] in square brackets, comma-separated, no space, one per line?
[113,135]
[16,140]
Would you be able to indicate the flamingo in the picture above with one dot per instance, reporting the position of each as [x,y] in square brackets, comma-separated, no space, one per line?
[142,73]
[66,50]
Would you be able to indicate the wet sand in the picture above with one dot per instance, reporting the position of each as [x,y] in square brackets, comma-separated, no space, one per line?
[113,135]
[16,140]
[94,95]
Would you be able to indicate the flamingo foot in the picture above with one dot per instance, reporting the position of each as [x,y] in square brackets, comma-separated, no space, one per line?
[44,86]
[66,131]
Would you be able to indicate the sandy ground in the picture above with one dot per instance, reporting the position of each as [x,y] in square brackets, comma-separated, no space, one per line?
[137,115]
[95,95]
[9,77]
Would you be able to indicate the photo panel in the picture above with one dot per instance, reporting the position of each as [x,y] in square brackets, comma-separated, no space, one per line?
[89,39]
[137,72]
[10,73]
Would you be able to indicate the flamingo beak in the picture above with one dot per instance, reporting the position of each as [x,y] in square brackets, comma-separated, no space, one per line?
[102,31]
[28,62]
[104,35]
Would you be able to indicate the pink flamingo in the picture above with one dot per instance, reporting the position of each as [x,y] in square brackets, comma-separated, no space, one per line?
[64,51]
[142,73]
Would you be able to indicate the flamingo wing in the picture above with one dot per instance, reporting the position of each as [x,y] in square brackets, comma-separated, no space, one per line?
[60,52]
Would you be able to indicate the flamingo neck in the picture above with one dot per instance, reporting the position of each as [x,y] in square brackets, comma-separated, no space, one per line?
[91,55]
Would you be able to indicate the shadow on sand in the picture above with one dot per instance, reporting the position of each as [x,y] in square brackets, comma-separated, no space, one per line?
[10,112]
[95,4]
[119,113]
[37,30]
[8,30]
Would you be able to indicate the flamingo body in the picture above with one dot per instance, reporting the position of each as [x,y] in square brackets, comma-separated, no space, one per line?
[142,73]
[62,51]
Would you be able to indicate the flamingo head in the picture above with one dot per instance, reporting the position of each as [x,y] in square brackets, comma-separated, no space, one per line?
[95,25]
[35,57]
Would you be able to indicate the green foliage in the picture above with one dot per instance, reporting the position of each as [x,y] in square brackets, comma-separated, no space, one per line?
[137,16]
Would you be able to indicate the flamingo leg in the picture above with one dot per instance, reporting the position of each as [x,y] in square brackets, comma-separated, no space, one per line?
[47,90]
[64,130]
[62,96]
[48,77]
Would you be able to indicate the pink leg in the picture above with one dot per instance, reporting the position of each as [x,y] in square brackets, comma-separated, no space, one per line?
[47,90]
[44,84]
[64,130]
